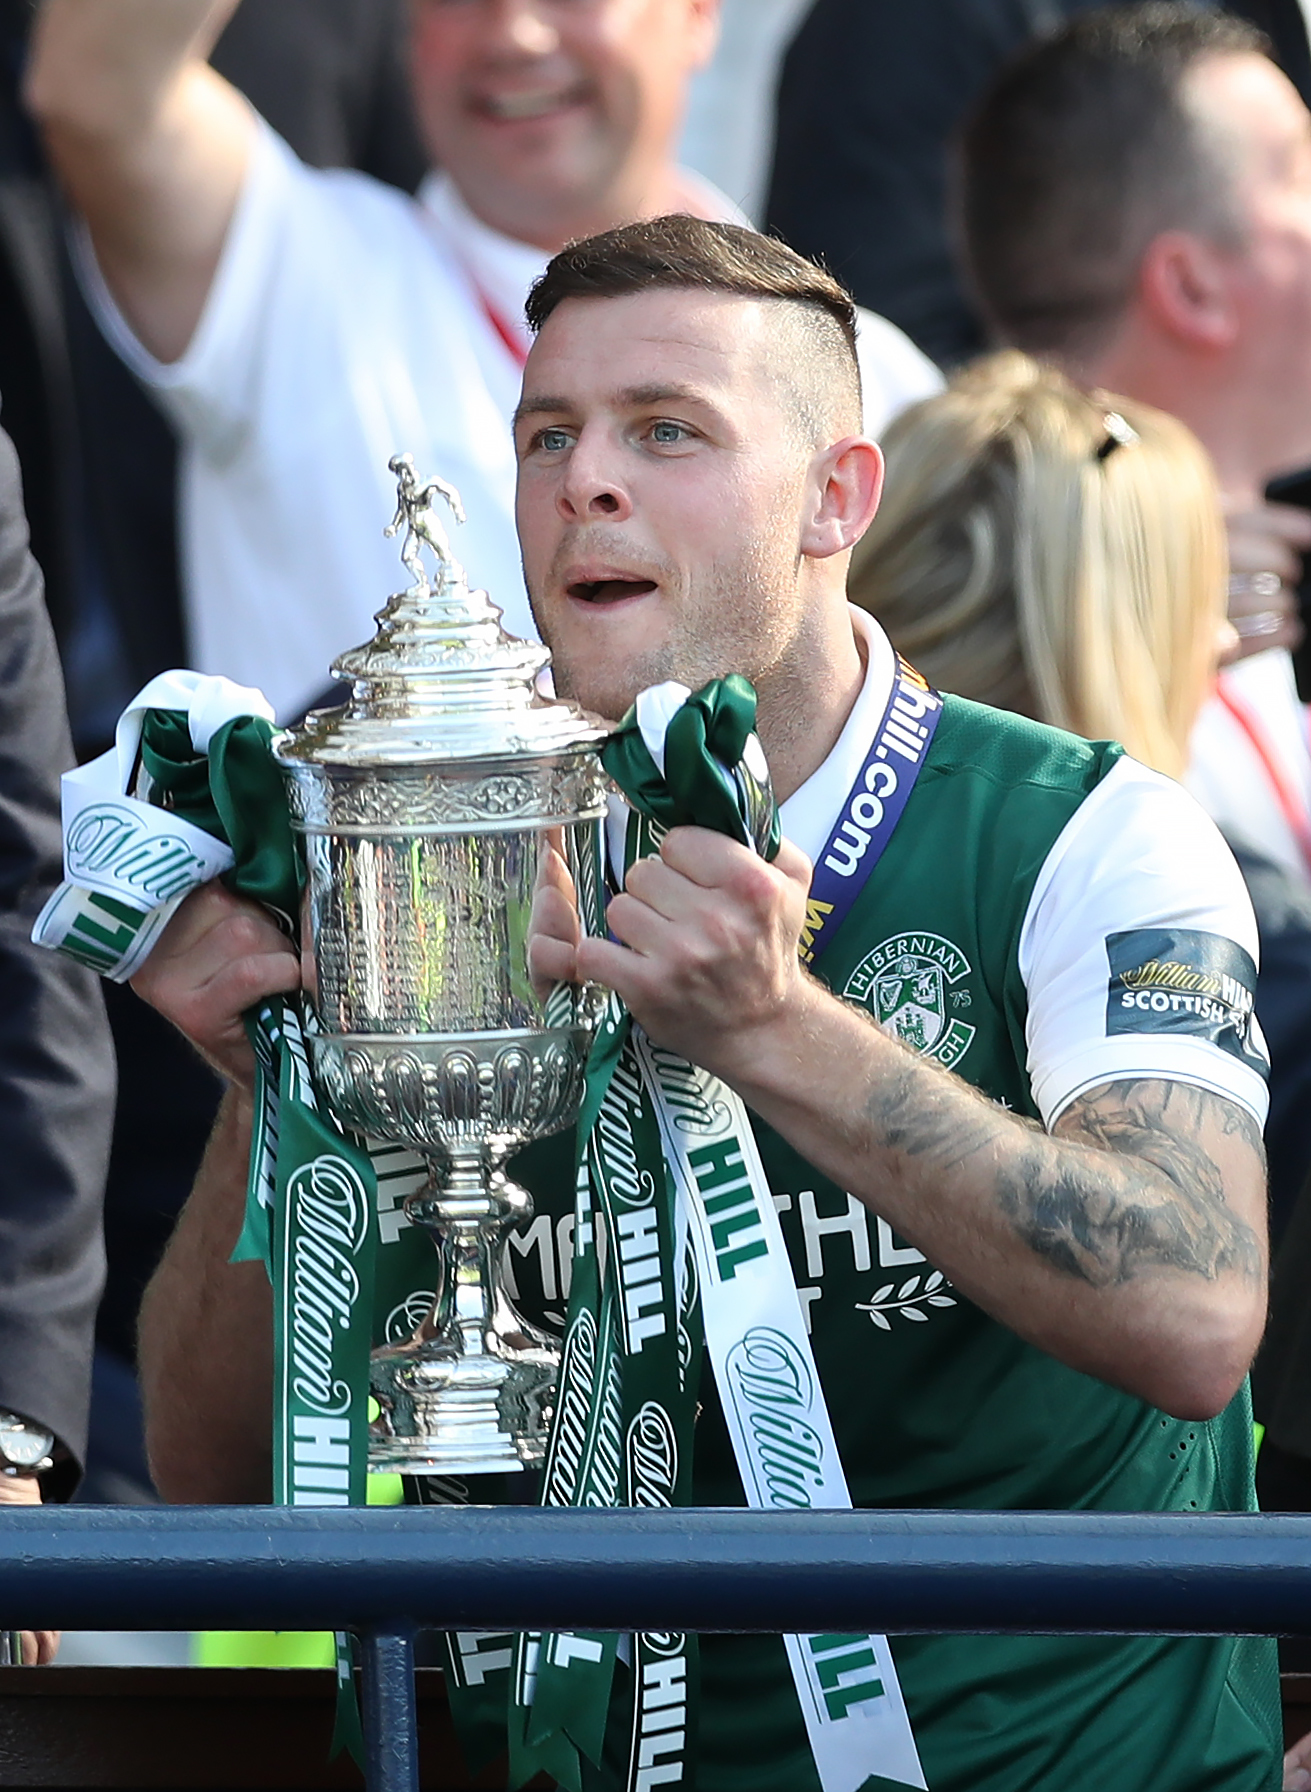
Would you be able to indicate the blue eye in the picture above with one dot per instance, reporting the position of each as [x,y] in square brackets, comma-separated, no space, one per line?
[668,434]
[554,441]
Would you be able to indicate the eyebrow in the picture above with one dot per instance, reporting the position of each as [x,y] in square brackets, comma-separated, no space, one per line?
[538,407]
[658,393]
[634,397]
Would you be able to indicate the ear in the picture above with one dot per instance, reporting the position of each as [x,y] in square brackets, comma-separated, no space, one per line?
[1186,288]
[847,480]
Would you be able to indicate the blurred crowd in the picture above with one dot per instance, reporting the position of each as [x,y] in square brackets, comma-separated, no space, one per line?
[1081,241]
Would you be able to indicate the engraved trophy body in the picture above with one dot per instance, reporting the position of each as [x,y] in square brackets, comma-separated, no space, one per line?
[435,806]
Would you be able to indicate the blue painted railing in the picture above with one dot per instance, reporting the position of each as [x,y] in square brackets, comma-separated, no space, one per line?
[386,1573]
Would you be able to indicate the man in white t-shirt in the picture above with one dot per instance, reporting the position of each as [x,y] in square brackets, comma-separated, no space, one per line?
[302,327]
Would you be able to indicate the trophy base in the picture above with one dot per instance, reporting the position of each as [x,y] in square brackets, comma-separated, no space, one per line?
[447,1414]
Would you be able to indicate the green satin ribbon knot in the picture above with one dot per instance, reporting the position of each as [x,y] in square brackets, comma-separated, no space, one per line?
[234,792]
[709,780]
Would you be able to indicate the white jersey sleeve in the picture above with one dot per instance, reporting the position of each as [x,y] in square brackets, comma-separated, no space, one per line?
[1138,951]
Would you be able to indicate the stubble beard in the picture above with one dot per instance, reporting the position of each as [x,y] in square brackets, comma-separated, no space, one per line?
[738,620]
[609,688]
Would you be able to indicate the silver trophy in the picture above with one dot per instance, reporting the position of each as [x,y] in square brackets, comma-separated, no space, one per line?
[437,807]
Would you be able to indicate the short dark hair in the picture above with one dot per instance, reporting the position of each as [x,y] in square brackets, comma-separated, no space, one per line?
[688,254]
[1081,152]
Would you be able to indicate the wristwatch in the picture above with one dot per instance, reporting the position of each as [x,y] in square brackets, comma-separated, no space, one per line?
[24,1447]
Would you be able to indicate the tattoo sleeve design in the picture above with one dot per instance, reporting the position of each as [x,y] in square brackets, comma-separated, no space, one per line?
[1129,1184]
[1091,1204]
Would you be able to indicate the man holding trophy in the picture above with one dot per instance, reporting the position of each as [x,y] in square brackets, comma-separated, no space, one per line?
[1024,1212]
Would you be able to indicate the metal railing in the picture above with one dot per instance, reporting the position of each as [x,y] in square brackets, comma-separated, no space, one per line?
[385,1574]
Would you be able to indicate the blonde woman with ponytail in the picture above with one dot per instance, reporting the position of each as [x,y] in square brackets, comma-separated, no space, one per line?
[1052,551]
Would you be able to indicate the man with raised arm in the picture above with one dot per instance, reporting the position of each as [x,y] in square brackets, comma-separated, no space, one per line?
[302,327]
[1048,1278]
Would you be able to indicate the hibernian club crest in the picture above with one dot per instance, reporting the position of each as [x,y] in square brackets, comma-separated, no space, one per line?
[912,986]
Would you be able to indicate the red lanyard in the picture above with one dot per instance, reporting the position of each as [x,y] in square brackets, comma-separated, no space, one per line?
[502,327]
[1294,811]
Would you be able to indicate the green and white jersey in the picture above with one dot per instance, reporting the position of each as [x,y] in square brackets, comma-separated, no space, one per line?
[1049,916]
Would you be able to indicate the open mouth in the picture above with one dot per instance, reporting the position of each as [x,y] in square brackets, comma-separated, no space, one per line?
[513,108]
[609,591]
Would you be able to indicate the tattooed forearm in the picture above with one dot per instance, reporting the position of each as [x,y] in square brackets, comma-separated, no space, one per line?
[1132,1184]
[920,1120]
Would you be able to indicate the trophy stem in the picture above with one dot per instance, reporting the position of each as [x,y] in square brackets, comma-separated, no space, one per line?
[470,1392]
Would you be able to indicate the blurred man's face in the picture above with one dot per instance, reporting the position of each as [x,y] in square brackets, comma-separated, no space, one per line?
[663,479]
[557,118]
[1264,133]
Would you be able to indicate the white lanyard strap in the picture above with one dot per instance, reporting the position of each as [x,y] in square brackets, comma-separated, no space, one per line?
[773,1403]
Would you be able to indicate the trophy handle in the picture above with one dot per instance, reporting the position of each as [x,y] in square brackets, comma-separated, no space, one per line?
[471,1392]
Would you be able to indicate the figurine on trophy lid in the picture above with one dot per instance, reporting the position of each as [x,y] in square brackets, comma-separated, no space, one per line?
[433,804]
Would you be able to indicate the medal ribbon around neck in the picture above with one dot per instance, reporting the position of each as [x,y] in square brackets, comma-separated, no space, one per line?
[669,1175]
[875,804]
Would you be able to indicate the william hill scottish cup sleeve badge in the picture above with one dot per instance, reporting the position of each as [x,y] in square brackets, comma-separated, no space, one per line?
[1175,980]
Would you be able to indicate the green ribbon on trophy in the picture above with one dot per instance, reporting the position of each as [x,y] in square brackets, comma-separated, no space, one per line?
[213,803]
[669,1166]
[631,1361]
[668,1170]
[198,750]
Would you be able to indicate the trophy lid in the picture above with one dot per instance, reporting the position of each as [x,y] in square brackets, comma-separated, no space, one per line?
[441,679]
